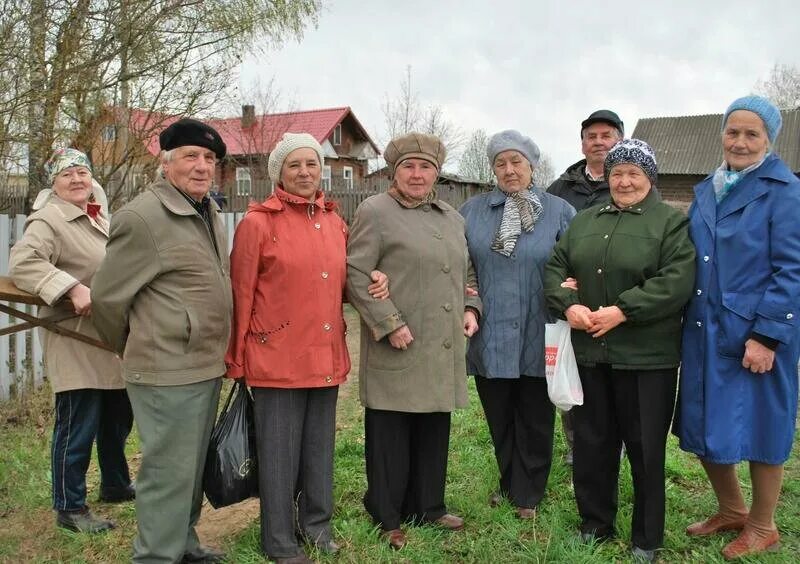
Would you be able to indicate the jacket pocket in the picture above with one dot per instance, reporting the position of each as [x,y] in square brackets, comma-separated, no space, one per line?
[193,331]
[736,320]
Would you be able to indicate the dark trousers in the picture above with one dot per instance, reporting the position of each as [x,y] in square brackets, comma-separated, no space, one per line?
[634,406]
[406,458]
[295,431]
[81,417]
[521,420]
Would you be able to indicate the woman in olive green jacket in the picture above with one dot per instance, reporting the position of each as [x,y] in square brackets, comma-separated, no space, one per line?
[412,370]
[633,264]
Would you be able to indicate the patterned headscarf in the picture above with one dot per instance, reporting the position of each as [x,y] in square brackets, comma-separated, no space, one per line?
[65,158]
[635,152]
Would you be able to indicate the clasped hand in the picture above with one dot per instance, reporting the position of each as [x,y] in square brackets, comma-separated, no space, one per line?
[596,323]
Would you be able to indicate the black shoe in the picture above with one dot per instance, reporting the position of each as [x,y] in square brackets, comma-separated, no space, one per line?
[641,555]
[327,547]
[203,554]
[83,521]
[595,537]
[118,495]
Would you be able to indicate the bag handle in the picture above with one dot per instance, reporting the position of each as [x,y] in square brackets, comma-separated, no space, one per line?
[237,385]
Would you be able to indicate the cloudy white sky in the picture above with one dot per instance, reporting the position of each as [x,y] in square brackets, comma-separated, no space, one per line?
[537,66]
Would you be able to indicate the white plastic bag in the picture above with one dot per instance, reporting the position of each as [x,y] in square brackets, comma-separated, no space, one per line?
[563,383]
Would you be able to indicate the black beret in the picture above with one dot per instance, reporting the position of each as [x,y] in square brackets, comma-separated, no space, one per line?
[189,131]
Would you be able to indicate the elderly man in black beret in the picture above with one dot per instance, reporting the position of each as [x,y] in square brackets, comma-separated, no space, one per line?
[162,299]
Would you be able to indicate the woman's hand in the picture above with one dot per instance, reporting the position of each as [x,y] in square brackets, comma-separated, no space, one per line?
[81,299]
[470,292]
[570,283]
[401,338]
[578,317]
[470,323]
[604,320]
[757,358]
[379,289]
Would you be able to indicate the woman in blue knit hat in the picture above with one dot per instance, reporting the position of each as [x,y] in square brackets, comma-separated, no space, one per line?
[738,388]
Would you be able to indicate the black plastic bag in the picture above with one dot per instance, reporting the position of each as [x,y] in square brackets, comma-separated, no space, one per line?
[231,473]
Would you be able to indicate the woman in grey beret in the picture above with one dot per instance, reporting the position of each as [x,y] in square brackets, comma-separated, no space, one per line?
[510,234]
[412,373]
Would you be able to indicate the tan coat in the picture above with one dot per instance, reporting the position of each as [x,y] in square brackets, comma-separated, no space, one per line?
[61,247]
[424,253]
[162,296]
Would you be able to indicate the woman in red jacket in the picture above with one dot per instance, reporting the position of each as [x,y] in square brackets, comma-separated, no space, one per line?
[288,341]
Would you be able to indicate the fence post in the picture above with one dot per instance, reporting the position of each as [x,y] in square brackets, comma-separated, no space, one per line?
[5,376]
[20,351]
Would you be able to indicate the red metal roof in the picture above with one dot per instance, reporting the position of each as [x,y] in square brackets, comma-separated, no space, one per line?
[258,139]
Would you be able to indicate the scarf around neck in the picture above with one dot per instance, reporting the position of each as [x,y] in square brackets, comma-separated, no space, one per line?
[521,211]
[725,179]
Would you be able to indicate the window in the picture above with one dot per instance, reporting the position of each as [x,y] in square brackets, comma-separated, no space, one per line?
[109,133]
[337,135]
[326,177]
[347,175]
[243,182]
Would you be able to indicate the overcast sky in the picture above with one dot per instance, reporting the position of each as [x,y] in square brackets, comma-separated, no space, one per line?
[537,66]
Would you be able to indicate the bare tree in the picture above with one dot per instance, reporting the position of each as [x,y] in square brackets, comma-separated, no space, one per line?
[544,173]
[474,164]
[405,114]
[77,58]
[782,86]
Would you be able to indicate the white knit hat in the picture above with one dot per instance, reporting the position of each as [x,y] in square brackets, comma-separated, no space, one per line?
[288,143]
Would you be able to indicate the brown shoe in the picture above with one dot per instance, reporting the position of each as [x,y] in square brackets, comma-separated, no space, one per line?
[450,522]
[716,524]
[396,537]
[748,542]
[526,513]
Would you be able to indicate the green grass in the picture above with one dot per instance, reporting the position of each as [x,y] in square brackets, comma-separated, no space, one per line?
[27,533]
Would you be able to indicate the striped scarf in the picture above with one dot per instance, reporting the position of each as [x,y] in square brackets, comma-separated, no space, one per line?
[520,212]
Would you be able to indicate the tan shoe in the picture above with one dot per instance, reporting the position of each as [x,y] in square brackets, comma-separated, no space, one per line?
[450,522]
[525,513]
[395,537]
[748,542]
[716,524]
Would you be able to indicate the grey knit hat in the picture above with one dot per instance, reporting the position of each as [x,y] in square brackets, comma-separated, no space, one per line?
[635,152]
[512,140]
[288,143]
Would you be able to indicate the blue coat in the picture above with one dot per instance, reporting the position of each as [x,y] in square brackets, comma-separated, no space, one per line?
[748,280]
[510,341]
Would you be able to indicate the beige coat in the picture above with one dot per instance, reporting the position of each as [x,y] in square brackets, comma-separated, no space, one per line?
[61,247]
[162,296]
[424,253]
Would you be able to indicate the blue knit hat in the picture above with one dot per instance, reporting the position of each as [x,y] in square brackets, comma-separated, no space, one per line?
[763,108]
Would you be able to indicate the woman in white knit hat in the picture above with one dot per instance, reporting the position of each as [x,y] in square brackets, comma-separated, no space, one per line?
[288,341]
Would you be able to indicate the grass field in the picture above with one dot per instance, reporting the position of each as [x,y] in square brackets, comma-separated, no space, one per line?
[27,532]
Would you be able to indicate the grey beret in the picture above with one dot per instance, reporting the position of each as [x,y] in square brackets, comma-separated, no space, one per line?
[512,140]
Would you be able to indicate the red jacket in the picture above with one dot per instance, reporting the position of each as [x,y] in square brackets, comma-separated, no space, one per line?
[288,273]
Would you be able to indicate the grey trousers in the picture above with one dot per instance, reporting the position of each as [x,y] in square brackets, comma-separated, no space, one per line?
[174,424]
[295,434]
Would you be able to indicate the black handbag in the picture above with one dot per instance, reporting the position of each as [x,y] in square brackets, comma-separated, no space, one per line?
[230,474]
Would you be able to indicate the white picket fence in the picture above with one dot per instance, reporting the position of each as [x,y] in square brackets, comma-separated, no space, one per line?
[21,352]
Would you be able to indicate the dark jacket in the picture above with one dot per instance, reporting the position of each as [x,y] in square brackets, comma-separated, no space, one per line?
[574,187]
[641,260]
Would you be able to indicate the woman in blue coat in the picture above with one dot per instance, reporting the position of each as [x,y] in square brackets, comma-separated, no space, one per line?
[738,387]
[510,235]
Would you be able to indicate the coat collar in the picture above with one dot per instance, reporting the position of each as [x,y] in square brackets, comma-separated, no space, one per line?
[71,212]
[639,208]
[174,200]
[752,186]
[280,198]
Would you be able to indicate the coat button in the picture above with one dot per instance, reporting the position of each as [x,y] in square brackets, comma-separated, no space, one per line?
[599,271]
[437,235]
[328,379]
[605,236]
[324,274]
[448,307]
[317,226]
[446,268]
[789,316]
[326,326]
[447,344]
[699,291]
[699,323]
[137,376]
[706,258]
[426,208]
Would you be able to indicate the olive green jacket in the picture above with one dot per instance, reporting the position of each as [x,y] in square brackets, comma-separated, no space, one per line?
[424,253]
[641,260]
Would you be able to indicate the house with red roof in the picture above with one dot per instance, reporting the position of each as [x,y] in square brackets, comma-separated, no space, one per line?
[242,175]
